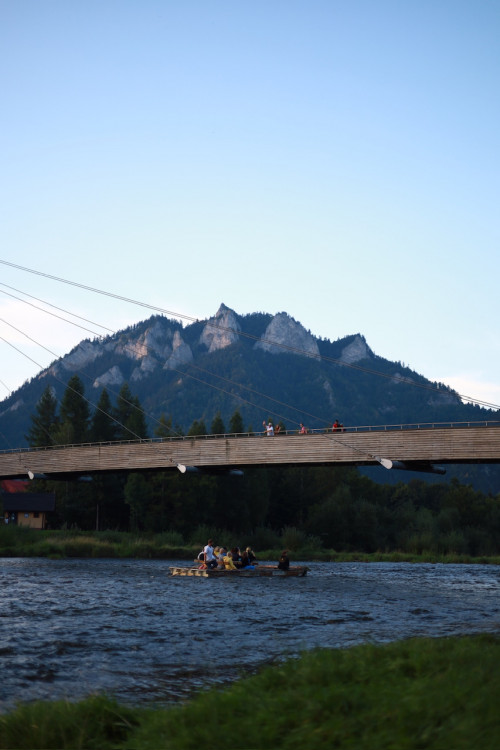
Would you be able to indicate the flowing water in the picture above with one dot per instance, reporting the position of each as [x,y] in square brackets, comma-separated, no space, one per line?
[69,628]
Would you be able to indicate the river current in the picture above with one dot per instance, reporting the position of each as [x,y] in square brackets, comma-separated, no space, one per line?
[70,628]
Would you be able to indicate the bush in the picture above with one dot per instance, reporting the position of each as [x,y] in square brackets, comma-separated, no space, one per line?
[292,538]
[170,539]
[203,533]
[453,543]
[263,538]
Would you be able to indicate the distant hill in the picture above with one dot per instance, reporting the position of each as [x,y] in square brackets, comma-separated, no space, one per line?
[264,365]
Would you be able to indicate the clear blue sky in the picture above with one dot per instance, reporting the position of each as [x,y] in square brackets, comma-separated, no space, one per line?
[337,160]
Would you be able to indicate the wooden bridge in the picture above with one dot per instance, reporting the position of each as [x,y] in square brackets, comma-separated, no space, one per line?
[414,447]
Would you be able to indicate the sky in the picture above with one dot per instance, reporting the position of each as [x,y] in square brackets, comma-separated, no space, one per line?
[338,160]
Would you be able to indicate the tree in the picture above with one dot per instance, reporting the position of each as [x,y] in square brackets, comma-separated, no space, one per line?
[103,427]
[217,427]
[138,496]
[129,416]
[197,428]
[164,427]
[75,414]
[107,489]
[45,421]
[236,423]
[137,422]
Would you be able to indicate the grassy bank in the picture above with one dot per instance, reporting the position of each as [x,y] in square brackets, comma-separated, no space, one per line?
[421,693]
[56,544]
[59,544]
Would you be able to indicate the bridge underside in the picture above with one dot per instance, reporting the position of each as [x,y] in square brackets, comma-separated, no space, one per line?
[414,449]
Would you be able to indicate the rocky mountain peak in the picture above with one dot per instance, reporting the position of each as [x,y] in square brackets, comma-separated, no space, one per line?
[286,331]
[181,353]
[221,330]
[155,340]
[356,351]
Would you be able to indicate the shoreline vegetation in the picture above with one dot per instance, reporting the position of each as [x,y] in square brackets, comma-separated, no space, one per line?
[73,543]
[418,693]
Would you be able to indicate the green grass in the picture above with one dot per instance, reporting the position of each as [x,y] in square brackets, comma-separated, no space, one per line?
[96,723]
[56,544]
[438,694]
[17,541]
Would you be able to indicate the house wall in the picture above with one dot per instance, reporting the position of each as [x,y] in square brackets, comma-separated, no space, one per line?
[34,520]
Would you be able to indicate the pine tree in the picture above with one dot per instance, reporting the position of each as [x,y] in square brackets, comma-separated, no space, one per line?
[45,421]
[197,428]
[74,415]
[103,427]
[217,427]
[138,496]
[164,427]
[137,421]
[129,415]
[236,423]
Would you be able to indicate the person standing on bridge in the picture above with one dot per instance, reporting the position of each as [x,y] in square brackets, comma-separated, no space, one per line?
[269,428]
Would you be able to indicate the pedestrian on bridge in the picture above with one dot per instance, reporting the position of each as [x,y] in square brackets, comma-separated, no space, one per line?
[269,428]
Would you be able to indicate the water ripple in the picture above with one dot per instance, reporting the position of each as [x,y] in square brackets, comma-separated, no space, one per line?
[75,627]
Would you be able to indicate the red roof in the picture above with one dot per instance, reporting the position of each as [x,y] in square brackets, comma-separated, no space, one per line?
[14,485]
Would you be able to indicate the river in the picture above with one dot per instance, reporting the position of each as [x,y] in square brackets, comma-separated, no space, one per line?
[69,628]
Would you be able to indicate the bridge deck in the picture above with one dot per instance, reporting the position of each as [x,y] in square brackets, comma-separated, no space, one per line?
[465,444]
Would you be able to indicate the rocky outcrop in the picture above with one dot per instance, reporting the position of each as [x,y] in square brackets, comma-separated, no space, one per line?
[399,378]
[15,406]
[181,353]
[147,366]
[84,354]
[156,340]
[329,393]
[113,376]
[355,351]
[221,330]
[285,335]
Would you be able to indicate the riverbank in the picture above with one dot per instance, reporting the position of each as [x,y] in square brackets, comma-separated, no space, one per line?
[433,693]
[61,544]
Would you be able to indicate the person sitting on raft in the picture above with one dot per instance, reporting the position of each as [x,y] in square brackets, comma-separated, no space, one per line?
[251,556]
[236,555]
[228,562]
[284,561]
[245,561]
[220,557]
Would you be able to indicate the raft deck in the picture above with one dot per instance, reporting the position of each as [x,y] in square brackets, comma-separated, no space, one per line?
[259,571]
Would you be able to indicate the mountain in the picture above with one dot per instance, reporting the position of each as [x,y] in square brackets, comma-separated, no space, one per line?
[263,365]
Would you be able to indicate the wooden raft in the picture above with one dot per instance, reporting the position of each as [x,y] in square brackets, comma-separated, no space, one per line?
[260,571]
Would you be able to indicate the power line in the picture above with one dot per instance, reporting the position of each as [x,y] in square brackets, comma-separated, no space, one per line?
[66,385]
[329,437]
[61,309]
[286,347]
[181,372]
[230,393]
[258,393]
[151,416]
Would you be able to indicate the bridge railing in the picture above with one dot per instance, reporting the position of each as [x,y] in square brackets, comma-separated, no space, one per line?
[313,431]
